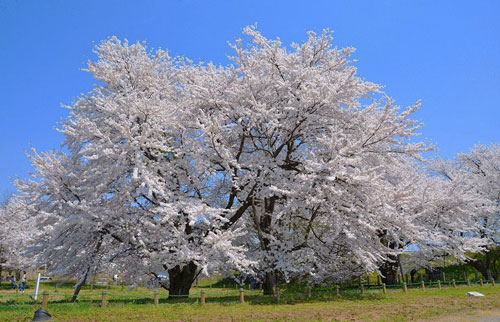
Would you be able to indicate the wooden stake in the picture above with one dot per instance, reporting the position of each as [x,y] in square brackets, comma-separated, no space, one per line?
[384,289]
[423,285]
[454,284]
[439,284]
[468,282]
[104,300]
[492,282]
[480,282]
[45,300]
[242,296]
[202,298]
[337,290]
[308,290]
[156,298]
[362,289]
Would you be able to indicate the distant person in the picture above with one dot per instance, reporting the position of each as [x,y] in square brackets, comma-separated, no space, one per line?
[13,282]
[23,281]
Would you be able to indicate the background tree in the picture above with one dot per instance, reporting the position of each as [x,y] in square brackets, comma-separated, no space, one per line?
[478,172]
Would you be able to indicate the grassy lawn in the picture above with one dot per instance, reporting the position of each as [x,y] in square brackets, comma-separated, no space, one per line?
[223,305]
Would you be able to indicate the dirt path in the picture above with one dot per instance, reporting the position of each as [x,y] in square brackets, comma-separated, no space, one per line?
[479,316]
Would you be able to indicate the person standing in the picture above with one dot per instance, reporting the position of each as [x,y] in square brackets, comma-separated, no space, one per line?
[23,281]
[13,282]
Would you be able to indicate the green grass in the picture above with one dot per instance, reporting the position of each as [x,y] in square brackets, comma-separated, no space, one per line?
[223,305]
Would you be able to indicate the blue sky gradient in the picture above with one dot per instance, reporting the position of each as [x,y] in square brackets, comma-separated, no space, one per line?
[443,52]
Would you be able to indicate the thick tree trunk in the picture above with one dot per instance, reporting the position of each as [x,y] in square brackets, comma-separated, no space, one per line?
[389,272]
[269,283]
[181,280]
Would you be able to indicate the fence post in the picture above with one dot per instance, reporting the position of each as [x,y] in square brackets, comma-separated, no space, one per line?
[104,300]
[202,301]
[423,285]
[439,284]
[404,287]
[468,282]
[337,290]
[156,298]
[242,296]
[480,282]
[45,300]
[384,289]
[362,289]
[454,284]
[492,282]
[308,290]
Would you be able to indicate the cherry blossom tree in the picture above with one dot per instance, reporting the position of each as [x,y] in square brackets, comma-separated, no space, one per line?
[281,162]
[478,173]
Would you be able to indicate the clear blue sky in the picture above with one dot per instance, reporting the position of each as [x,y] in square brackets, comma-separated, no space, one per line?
[443,52]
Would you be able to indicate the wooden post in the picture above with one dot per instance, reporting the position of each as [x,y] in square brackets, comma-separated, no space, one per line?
[362,289]
[439,284]
[492,282]
[45,300]
[404,287]
[480,282]
[242,296]
[423,285]
[454,284]
[104,300]
[308,290]
[156,298]
[468,282]
[384,290]
[337,290]
[249,285]
[202,298]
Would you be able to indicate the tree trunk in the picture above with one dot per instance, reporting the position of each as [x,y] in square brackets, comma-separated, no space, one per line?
[79,286]
[181,280]
[389,272]
[479,266]
[269,283]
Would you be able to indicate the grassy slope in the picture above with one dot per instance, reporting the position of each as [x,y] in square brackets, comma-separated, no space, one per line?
[373,306]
